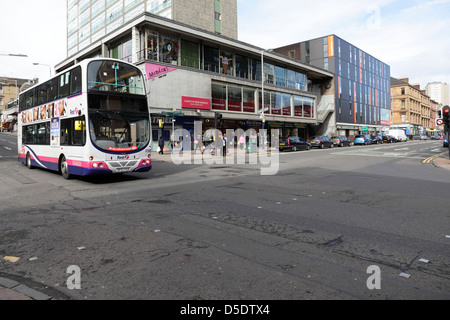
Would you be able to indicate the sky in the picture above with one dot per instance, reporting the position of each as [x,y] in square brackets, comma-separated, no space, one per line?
[411,36]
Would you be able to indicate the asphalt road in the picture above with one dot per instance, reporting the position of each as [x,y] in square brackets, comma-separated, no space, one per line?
[226,232]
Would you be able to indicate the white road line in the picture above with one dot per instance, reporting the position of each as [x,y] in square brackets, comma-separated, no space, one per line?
[8,148]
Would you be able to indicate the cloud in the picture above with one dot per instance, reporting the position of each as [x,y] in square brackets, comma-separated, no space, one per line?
[40,34]
[410,36]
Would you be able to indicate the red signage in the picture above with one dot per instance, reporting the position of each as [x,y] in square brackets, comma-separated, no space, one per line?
[195,103]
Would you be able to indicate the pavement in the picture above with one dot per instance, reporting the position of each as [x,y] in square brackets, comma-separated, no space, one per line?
[442,162]
[13,290]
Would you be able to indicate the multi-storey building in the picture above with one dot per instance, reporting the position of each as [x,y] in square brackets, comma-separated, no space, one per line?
[200,73]
[411,107]
[90,20]
[361,85]
[439,92]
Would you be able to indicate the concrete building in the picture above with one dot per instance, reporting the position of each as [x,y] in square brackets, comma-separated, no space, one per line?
[411,107]
[90,20]
[199,73]
[361,85]
[439,92]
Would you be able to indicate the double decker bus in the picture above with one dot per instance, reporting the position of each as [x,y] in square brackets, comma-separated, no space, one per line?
[92,118]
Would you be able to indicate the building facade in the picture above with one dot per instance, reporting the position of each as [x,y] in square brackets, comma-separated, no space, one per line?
[9,93]
[90,20]
[411,107]
[439,92]
[361,83]
[198,73]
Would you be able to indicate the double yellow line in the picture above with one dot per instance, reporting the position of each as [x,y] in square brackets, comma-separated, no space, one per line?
[430,159]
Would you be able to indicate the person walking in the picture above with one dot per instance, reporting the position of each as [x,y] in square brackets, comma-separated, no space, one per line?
[161,145]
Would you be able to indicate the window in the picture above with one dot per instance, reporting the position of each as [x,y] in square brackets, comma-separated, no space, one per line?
[73,131]
[286,104]
[190,54]
[75,82]
[241,66]
[249,100]
[64,85]
[211,59]
[219,96]
[169,50]
[152,46]
[255,70]
[280,74]
[234,98]
[298,106]
[291,54]
[226,62]
[37,134]
[269,73]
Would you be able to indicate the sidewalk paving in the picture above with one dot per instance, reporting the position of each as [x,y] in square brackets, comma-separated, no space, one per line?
[13,290]
[442,162]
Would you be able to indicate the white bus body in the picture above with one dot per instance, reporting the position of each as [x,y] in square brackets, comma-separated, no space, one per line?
[96,121]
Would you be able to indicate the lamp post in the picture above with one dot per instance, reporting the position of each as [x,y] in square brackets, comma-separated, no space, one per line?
[262,91]
[41,64]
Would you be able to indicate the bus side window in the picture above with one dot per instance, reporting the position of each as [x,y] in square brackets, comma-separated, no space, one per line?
[75,82]
[64,85]
[73,131]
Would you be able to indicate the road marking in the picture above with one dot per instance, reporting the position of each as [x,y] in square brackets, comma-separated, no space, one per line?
[430,159]
[8,148]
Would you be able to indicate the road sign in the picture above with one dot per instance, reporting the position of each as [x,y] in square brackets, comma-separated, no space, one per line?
[439,122]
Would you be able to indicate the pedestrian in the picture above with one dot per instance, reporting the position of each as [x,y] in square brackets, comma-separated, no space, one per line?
[241,142]
[225,141]
[197,144]
[161,145]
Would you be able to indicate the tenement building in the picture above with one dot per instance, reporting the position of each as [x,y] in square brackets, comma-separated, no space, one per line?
[361,84]
[411,107]
[193,73]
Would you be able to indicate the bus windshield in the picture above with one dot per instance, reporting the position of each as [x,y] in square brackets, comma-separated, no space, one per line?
[114,76]
[118,132]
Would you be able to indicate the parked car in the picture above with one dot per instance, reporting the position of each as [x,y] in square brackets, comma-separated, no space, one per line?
[423,137]
[341,141]
[446,142]
[435,137]
[321,142]
[362,139]
[294,144]
[377,139]
[389,139]
[398,134]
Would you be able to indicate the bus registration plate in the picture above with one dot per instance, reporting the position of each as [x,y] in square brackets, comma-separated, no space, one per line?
[123,169]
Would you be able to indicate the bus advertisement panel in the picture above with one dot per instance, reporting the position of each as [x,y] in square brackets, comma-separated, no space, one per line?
[91,119]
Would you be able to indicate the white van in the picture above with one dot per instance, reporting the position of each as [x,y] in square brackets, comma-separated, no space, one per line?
[398,134]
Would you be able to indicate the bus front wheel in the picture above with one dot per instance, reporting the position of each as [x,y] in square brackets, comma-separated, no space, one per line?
[64,168]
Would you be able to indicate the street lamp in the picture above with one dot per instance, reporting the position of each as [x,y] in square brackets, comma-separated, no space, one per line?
[41,64]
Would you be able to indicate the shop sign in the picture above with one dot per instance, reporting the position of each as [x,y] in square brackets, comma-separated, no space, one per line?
[195,103]
[153,71]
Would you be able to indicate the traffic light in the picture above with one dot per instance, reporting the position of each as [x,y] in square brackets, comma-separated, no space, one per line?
[446,114]
[218,119]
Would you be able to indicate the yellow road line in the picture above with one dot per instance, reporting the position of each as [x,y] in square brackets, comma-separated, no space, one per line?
[430,159]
